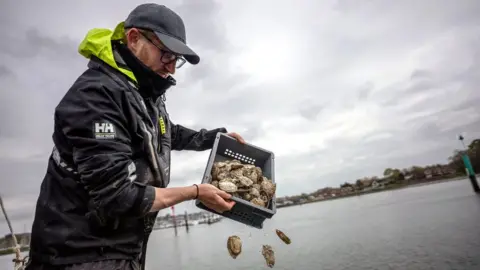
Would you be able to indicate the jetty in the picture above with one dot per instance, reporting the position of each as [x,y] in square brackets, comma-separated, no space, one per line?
[18,261]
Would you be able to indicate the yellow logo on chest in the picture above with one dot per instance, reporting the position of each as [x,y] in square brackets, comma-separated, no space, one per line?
[161,123]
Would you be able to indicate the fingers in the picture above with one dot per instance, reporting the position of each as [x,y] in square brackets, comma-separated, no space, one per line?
[237,137]
[219,205]
[215,199]
[222,204]
[224,195]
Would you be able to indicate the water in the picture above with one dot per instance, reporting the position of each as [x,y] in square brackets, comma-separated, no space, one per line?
[429,227]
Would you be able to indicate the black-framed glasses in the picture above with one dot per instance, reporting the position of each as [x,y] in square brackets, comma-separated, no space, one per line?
[167,56]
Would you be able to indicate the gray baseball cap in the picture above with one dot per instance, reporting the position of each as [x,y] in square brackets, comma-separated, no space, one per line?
[166,24]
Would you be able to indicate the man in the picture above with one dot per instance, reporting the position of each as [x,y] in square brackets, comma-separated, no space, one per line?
[108,173]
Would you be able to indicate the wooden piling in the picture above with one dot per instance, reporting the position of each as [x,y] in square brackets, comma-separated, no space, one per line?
[186,220]
[174,220]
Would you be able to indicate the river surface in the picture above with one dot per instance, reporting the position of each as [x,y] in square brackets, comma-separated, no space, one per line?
[434,226]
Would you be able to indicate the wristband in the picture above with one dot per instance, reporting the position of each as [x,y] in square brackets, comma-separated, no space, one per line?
[196,196]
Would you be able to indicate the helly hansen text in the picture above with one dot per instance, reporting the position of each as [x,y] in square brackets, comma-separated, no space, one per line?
[104,130]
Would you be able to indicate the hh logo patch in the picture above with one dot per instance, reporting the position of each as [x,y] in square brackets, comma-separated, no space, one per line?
[104,130]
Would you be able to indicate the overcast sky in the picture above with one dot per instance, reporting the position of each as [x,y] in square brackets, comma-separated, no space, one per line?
[338,90]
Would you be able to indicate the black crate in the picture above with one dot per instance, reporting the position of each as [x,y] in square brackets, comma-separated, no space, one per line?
[228,148]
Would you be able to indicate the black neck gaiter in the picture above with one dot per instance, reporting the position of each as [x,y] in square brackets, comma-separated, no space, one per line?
[150,83]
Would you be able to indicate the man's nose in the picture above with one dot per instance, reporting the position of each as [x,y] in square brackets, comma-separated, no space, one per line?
[170,67]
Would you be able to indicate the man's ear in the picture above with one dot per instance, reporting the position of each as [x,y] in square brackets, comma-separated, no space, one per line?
[133,39]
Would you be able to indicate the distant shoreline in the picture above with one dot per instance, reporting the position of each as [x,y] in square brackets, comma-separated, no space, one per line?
[11,250]
[388,188]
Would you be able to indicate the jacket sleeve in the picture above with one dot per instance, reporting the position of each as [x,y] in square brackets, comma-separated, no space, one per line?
[184,138]
[96,130]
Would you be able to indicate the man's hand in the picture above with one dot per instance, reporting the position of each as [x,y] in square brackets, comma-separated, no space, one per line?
[236,136]
[214,198]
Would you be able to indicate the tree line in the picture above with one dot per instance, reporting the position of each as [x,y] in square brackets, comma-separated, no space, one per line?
[453,167]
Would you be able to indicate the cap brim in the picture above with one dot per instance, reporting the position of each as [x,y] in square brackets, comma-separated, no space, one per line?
[179,47]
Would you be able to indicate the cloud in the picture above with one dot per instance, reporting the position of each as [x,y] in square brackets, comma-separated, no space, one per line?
[337,90]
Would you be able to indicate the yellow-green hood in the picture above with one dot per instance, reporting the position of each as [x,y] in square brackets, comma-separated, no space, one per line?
[98,42]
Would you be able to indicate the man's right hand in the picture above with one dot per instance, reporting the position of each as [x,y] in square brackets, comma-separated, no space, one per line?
[214,198]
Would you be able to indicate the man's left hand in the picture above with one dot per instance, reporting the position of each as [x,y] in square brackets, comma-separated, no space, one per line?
[236,136]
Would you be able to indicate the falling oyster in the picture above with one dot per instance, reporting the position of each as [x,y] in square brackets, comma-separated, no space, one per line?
[269,255]
[234,246]
[283,236]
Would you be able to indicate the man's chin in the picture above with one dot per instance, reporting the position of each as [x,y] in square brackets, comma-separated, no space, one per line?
[163,75]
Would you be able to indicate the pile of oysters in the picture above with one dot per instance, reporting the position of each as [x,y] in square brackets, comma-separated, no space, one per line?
[244,181]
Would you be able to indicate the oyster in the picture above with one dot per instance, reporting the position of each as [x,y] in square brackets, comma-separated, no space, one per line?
[236,173]
[249,166]
[252,175]
[221,175]
[227,186]
[234,246]
[259,173]
[283,236]
[268,187]
[258,201]
[235,166]
[269,255]
[254,192]
[244,181]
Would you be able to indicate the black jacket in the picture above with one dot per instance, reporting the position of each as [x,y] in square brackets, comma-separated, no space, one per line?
[112,145]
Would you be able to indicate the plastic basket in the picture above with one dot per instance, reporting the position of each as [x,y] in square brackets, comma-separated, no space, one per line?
[228,148]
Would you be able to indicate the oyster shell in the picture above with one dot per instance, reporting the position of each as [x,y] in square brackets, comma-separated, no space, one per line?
[259,173]
[245,181]
[227,186]
[234,246]
[236,173]
[268,187]
[235,161]
[221,175]
[252,175]
[236,166]
[258,201]
[283,236]
[254,192]
[269,255]
[249,166]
